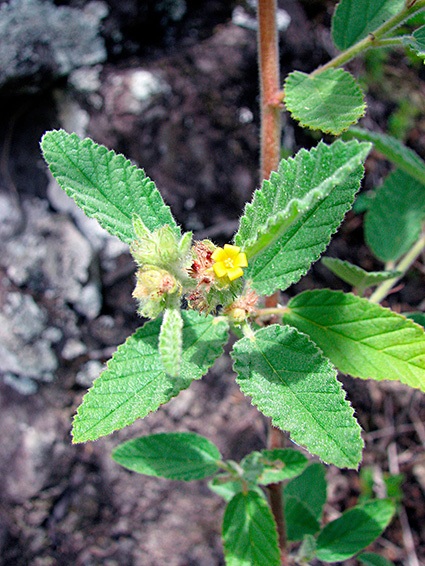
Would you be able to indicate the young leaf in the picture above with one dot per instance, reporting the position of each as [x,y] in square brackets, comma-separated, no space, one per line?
[300,521]
[135,383]
[333,171]
[105,185]
[182,456]
[361,338]
[355,275]
[290,381]
[281,464]
[394,150]
[393,222]
[171,341]
[310,489]
[354,530]
[354,19]
[372,559]
[307,549]
[416,42]
[249,532]
[228,489]
[330,101]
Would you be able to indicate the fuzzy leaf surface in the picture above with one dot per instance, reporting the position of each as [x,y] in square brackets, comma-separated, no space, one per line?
[135,383]
[416,42]
[354,19]
[393,222]
[281,464]
[330,101]
[332,170]
[290,381]
[249,532]
[394,150]
[105,184]
[170,341]
[182,456]
[299,519]
[355,275]
[354,530]
[361,338]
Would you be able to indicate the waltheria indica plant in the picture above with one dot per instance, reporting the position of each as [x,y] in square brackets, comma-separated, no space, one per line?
[289,368]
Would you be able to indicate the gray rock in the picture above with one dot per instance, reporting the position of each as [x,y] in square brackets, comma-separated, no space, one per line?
[88,373]
[40,41]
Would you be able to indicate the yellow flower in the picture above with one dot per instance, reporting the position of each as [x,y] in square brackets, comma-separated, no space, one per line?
[229,261]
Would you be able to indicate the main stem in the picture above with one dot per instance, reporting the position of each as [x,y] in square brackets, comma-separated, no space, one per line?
[270,155]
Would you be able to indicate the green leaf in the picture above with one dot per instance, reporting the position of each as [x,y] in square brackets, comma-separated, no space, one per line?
[307,549]
[393,222]
[135,383]
[182,456]
[281,464]
[354,19]
[171,341]
[299,520]
[416,42]
[330,101]
[372,559]
[361,338]
[290,381]
[335,171]
[249,532]
[105,185]
[354,530]
[310,489]
[356,276]
[228,489]
[394,150]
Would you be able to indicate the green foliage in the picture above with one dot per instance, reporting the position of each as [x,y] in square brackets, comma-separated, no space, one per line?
[353,20]
[361,338]
[418,317]
[372,559]
[281,464]
[330,176]
[416,42]
[105,185]
[356,276]
[330,101]
[354,530]
[182,456]
[249,532]
[395,151]
[309,488]
[393,222]
[290,381]
[171,341]
[135,383]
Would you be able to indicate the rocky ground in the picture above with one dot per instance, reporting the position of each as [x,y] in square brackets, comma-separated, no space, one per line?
[173,86]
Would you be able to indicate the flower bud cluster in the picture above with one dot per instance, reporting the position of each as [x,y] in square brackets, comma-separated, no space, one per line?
[162,257]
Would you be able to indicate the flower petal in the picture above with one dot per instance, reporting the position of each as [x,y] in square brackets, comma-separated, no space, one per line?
[231,251]
[234,273]
[240,260]
[219,254]
[219,269]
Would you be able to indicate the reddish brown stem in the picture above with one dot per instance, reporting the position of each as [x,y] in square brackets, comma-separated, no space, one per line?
[270,155]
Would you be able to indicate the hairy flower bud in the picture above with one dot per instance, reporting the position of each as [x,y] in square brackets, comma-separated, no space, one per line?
[153,287]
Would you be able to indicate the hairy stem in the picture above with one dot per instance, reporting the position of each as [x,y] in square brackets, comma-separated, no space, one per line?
[404,264]
[270,155]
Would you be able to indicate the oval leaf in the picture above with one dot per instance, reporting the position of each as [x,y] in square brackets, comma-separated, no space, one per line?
[290,381]
[354,530]
[249,532]
[182,456]
[135,383]
[105,184]
[281,464]
[330,101]
[361,338]
[354,19]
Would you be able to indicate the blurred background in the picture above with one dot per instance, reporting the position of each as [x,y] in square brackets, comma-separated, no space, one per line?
[172,84]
